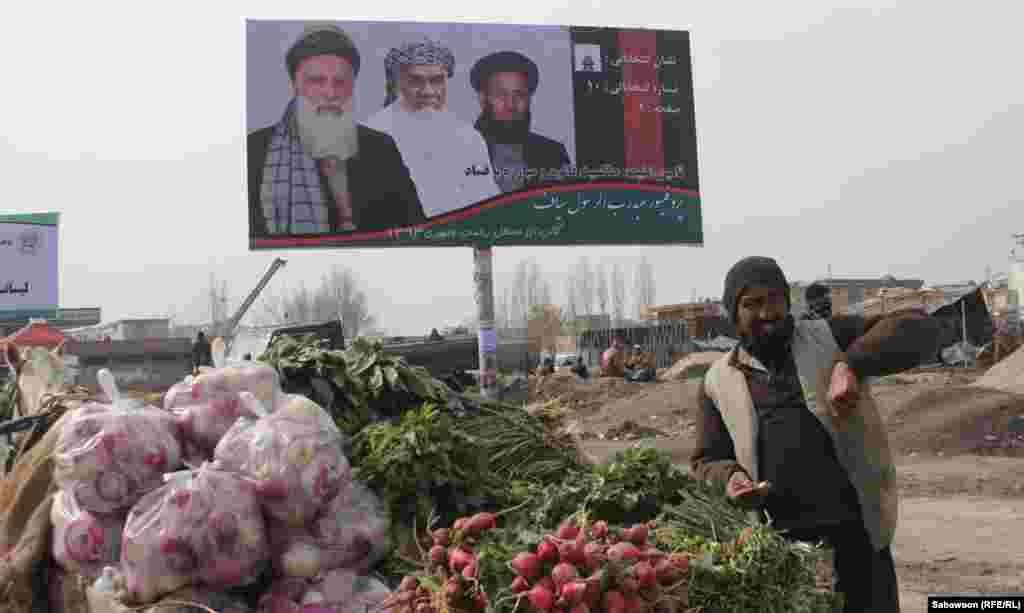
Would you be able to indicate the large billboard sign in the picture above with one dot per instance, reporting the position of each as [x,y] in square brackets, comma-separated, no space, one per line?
[416,134]
[28,266]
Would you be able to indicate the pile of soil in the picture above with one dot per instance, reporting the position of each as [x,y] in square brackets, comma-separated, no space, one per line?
[690,367]
[1007,375]
[629,430]
[581,397]
[955,420]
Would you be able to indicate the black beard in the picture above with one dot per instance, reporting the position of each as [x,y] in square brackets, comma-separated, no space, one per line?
[770,346]
[505,131]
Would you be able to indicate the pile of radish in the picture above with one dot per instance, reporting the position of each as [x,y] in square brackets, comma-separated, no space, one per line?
[595,568]
[580,568]
[452,583]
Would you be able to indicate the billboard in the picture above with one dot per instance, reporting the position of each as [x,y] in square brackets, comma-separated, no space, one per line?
[375,134]
[28,266]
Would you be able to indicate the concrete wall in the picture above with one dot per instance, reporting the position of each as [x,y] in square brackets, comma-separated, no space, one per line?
[152,365]
[138,330]
[148,375]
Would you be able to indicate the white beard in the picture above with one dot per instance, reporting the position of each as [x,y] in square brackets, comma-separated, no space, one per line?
[425,113]
[326,134]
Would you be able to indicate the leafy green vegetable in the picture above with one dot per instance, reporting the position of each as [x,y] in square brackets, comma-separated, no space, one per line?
[634,485]
[409,462]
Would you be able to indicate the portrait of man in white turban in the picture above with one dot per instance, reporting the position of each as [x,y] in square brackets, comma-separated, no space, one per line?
[447,157]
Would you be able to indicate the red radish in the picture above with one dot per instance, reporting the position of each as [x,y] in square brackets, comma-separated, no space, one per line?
[471,569]
[541,599]
[563,573]
[744,535]
[614,602]
[573,592]
[680,561]
[422,608]
[480,600]
[568,530]
[547,584]
[526,564]
[652,554]
[593,594]
[633,604]
[571,553]
[599,530]
[547,551]
[629,585]
[452,589]
[613,538]
[408,584]
[520,585]
[645,574]
[652,525]
[442,537]
[481,521]
[639,535]
[459,524]
[459,558]
[592,554]
[666,571]
[438,554]
[623,551]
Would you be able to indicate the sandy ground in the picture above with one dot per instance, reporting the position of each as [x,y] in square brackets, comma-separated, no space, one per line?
[962,507]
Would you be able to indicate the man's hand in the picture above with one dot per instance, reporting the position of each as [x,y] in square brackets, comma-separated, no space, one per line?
[746,493]
[843,389]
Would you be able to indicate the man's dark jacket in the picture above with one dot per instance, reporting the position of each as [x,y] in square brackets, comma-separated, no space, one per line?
[383,193]
[540,152]
[202,353]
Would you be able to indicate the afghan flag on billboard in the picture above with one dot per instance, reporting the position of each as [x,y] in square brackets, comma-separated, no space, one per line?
[634,104]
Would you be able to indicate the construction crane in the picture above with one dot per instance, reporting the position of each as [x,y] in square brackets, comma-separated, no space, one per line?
[228,333]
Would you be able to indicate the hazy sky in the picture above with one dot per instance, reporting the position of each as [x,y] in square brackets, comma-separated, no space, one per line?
[875,140]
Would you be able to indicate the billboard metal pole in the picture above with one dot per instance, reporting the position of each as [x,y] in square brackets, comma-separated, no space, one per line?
[487,335]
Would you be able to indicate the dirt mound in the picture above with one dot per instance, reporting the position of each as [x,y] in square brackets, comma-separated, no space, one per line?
[956,420]
[582,397]
[693,365]
[629,430]
[1007,375]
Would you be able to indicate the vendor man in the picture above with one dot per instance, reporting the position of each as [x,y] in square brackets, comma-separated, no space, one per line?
[613,360]
[787,422]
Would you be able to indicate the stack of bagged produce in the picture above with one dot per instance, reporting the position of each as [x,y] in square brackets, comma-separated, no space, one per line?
[108,457]
[231,481]
[207,406]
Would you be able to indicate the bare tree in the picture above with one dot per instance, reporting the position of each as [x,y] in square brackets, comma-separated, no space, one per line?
[217,294]
[338,298]
[643,286]
[501,308]
[585,286]
[601,290]
[570,313]
[618,294]
[529,290]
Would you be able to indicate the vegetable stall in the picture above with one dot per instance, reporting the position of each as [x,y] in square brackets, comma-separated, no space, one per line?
[318,480]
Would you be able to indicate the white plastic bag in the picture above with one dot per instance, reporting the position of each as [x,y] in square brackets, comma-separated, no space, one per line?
[111,455]
[204,424]
[337,591]
[203,526]
[292,456]
[84,542]
[256,377]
